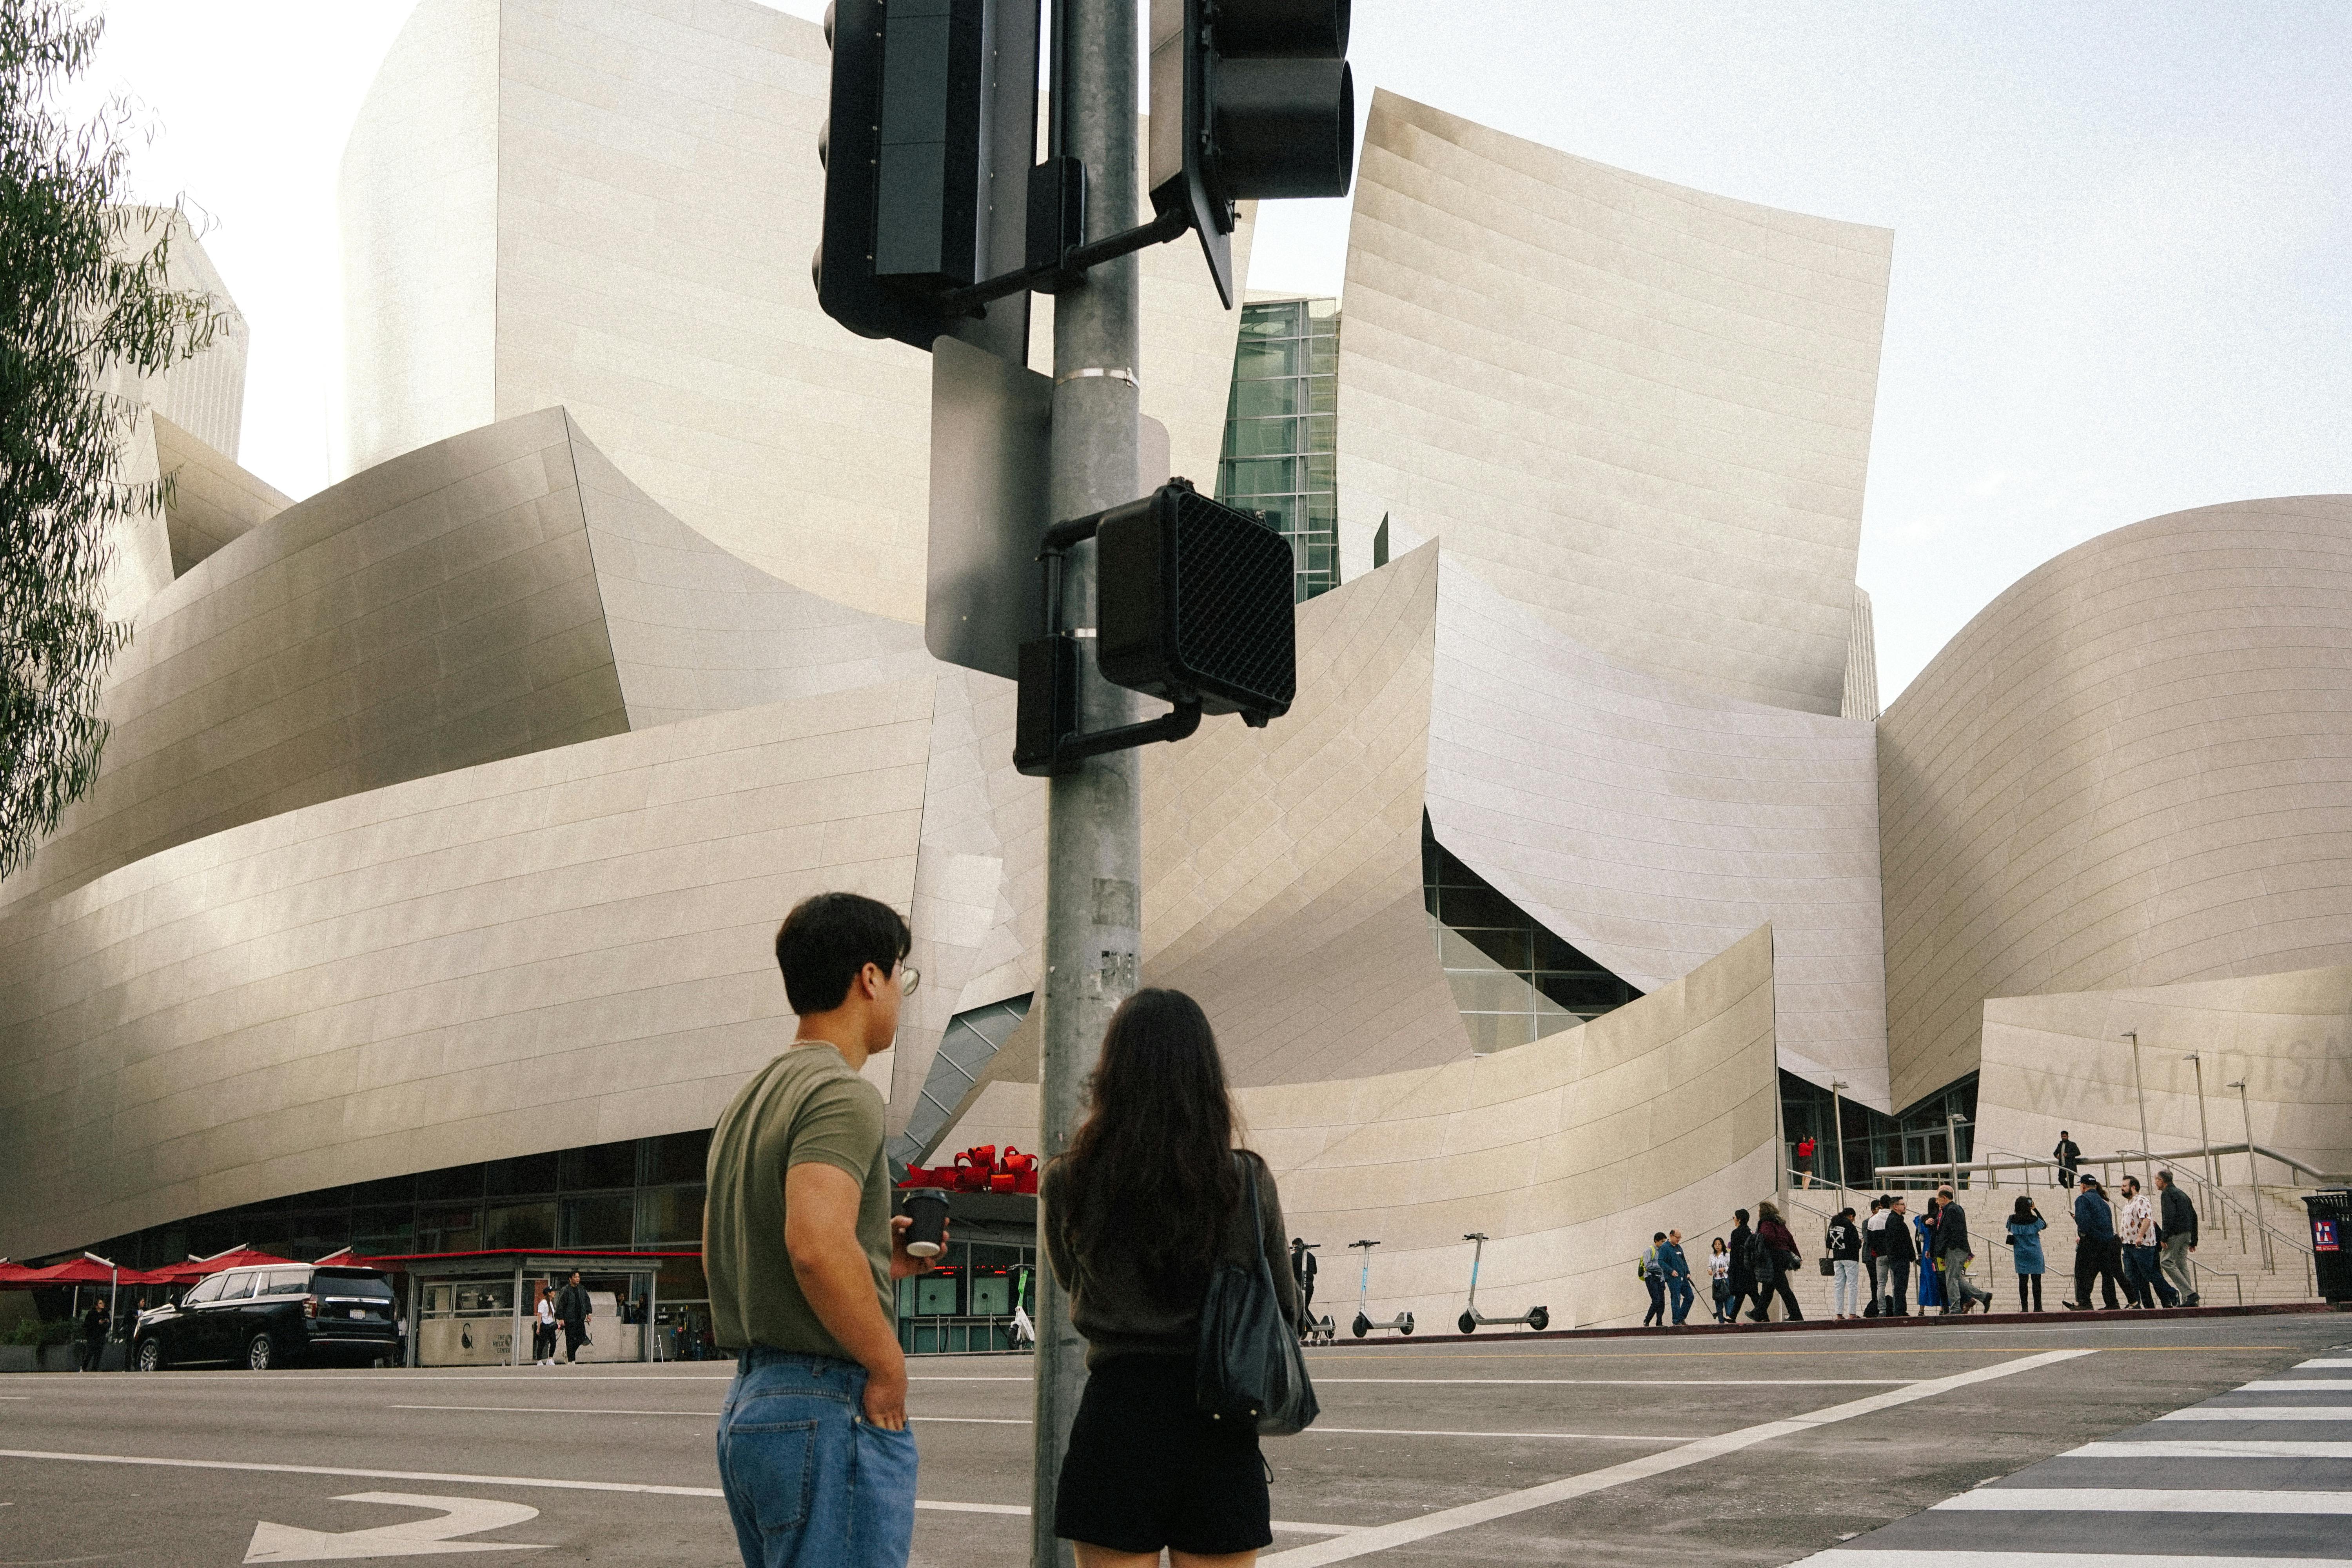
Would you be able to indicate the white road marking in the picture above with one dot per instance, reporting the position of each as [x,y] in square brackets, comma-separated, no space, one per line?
[1636,1381]
[411,1538]
[2141,1499]
[545,1483]
[2295,1385]
[2326,1361]
[1409,1432]
[1851,1557]
[1380,1538]
[2210,1448]
[2260,1413]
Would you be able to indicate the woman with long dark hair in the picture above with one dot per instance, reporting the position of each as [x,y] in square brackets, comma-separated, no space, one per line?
[1146,1202]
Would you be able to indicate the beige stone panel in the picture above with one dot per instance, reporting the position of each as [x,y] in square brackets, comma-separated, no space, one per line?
[1569,1152]
[2059,1061]
[1652,824]
[213,500]
[1640,410]
[416,204]
[2127,771]
[558,948]
[1861,699]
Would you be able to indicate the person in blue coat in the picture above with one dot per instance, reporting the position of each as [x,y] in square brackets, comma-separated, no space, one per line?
[2097,1254]
[2025,1227]
[1923,1231]
[1676,1266]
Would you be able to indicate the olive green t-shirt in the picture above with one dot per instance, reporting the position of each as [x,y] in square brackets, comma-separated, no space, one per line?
[805,1106]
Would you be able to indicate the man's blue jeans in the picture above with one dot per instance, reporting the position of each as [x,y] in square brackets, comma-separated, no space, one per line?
[2144,1277]
[1678,1291]
[810,1482]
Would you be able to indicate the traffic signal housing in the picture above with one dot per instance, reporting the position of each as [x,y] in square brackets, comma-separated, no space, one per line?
[1251,99]
[1195,602]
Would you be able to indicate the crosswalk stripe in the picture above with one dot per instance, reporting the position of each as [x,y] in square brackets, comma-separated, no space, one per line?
[2324,1361]
[2142,1500]
[2299,1385]
[1851,1557]
[2260,1413]
[2210,1448]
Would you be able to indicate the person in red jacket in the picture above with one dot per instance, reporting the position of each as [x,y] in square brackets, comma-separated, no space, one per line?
[1805,1147]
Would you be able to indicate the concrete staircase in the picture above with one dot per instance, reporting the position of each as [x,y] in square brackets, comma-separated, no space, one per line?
[2230,1268]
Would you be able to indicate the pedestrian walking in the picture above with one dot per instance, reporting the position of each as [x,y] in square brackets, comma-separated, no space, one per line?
[1786,1261]
[2095,1252]
[1873,1250]
[543,1332]
[1844,1240]
[800,1250]
[1150,1198]
[2067,1157]
[2176,1219]
[1806,1147]
[1898,1250]
[1956,1249]
[1679,1293]
[576,1313]
[2137,1229]
[94,1325]
[1718,1281]
[1302,1273]
[1652,1275]
[2025,1227]
[1747,1254]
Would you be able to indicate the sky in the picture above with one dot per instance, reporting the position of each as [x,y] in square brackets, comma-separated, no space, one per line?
[2123,256]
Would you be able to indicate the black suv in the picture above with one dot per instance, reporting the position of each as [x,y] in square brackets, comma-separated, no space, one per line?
[261,1318]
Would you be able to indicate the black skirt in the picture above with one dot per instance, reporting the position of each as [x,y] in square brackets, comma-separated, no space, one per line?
[1146,1470]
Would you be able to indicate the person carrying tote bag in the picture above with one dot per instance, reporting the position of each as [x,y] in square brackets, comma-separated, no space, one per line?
[1171,1245]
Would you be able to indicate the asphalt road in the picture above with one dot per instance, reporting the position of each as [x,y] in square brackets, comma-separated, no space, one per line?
[1719,1448]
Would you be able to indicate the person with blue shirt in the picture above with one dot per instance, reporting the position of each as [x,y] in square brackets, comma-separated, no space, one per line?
[2096,1255]
[1679,1290]
[2025,1227]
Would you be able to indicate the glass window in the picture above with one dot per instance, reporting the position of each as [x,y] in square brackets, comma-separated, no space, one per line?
[512,1225]
[670,1214]
[600,1165]
[286,1282]
[1266,399]
[678,1157]
[604,1220]
[379,1231]
[459,1183]
[1265,477]
[1262,437]
[392,1190]
[528,1173]
[1269,320]
[371,1286]
[449,1230]
[238,1286]
[1257,360]
[208,1289]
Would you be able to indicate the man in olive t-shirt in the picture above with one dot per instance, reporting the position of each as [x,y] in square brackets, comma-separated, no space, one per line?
[800,1249]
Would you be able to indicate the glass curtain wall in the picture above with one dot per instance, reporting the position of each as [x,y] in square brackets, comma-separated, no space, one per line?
[1281,432]
[1867,1139]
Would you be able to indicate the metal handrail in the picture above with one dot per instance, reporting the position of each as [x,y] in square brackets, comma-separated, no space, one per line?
[2262,1226]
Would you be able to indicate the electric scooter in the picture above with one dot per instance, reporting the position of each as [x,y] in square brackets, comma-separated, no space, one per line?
[1402,1322]
[1536,1317]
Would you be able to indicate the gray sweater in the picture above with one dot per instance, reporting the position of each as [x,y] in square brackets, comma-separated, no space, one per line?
[1120,1312]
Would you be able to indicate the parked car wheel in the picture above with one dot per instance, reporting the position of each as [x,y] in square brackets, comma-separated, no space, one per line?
[260,1355]
[151,1355]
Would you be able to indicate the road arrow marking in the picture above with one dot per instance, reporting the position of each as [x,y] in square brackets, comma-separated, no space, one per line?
[413,1537]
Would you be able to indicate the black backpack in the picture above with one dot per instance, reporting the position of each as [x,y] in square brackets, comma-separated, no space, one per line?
[1249,1366]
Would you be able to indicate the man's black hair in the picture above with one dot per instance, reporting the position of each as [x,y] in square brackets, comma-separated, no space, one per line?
[1660,1236]
[828,940]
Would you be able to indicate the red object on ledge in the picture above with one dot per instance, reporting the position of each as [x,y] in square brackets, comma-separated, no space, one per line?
[980,1170]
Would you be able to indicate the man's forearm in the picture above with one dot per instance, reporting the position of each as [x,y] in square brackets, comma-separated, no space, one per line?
[840,1289]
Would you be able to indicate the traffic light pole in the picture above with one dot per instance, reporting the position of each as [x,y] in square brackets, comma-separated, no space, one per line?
[1094,831]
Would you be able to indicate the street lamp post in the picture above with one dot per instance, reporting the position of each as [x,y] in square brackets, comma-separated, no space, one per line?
[1953,1123]
[2139,1088]
[1837,1131]
[2254,1173]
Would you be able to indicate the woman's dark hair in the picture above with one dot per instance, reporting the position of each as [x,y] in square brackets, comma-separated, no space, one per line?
[1717,1246]
[2024,1209]
[1765,1211]
[1150,1169]
[828,940]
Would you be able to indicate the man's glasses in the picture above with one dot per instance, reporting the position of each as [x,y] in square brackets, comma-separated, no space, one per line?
[911,980]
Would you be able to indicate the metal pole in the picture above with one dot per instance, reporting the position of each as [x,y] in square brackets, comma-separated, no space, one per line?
[1952,1120]
[2204,1135]
[2254,1173]
[1837,1131]
[1094,827]
[2147,1173]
